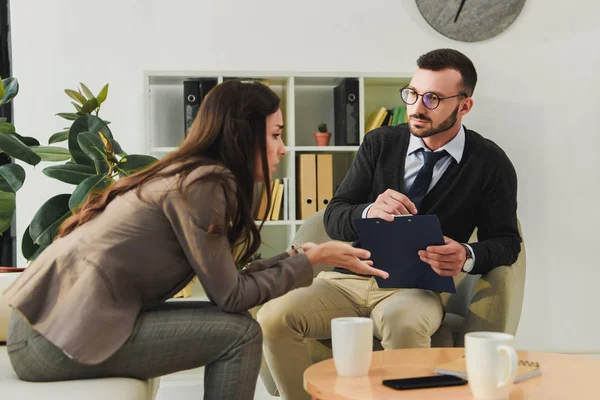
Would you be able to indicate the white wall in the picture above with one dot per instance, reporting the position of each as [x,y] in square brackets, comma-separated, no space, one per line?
[537,98]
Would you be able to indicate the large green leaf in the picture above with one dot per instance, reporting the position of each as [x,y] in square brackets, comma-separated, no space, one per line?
[52,153]
[29,141]
[48,218]
[12,177]
[59,137]
[135,162]
[87,91]
[102,95]
[11,88]
[12,146]
[85,123]
[89,106]
[7,209]
[91,144]
[28,248]
[77,106]
[91,184]
[70,173]
[76,96]
[6,127]
[69,116]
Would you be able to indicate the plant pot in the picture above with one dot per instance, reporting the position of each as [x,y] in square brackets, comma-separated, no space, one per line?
[10,269]
[323,138]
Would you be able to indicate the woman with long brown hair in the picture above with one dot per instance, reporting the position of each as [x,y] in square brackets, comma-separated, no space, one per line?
[93,303]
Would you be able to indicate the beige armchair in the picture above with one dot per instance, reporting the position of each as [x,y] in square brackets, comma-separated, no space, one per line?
[489,302]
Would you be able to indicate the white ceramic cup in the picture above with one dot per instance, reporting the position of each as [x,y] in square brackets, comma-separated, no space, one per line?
[352,344]
[492,364]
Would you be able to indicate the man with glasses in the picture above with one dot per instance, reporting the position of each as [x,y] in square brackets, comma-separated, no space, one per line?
[432,165]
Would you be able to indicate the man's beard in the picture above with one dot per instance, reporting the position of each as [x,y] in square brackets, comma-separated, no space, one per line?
[434,130]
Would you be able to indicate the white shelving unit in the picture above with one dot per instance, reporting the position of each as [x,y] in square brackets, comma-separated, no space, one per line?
[306,101]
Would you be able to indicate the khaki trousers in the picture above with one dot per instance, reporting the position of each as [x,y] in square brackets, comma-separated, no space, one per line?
[403,318]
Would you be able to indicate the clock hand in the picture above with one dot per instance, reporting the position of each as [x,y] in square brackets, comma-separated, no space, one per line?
[462,3]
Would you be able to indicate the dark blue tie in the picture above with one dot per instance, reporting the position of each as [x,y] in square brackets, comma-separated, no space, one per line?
[418,190]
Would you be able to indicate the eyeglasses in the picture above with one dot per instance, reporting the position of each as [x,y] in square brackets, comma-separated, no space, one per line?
[429,99]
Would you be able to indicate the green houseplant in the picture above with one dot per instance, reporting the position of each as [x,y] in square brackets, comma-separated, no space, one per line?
[15,146]
[94,160]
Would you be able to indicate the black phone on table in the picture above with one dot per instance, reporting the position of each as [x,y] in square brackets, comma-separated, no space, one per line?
[424,382]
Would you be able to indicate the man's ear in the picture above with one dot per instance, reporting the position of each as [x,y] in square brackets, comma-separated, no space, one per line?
[466,106]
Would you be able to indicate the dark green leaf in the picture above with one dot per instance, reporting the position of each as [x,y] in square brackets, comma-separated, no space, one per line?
[29,141]
[87,91]
[59,137]
[86,123]
[91,184]
[101,166]
[12,177]
[77,106]
[51,153]
[11,88]
[70,173]
[89,106]
[38,252]
[28,248]
[117,148]
[7,210]
[76,96]
[135,162]
[69,116]
[17,149]
[91,144]
[102,95]
[6,127]
[48,218]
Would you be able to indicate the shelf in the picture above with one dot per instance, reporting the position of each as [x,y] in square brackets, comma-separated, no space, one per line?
[307,99]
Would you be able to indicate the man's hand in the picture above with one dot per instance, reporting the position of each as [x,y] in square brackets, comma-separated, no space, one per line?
[391,203]
[447,259]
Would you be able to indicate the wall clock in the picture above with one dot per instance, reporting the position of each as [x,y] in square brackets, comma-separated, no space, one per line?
[470,20]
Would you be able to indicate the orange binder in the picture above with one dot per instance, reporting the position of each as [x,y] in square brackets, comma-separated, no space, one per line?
[324,180]
[307,185]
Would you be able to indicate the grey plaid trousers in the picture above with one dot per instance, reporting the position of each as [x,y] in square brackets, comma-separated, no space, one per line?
[176,336]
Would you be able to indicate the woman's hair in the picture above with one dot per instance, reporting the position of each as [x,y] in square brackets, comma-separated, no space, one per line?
[229,130]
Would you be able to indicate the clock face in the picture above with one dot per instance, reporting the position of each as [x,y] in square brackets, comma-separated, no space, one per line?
[470,20]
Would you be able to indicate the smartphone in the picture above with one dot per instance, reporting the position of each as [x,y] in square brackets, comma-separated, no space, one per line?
[424,382]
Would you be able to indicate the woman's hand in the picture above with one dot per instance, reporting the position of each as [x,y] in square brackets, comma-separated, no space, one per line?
[340,254]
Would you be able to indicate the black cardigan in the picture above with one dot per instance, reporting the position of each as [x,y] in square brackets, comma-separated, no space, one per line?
[479,192]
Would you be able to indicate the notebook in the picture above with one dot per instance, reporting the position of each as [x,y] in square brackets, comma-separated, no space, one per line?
[527,369]
[395,246]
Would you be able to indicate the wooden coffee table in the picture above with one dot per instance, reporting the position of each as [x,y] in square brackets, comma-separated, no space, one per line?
[563,377]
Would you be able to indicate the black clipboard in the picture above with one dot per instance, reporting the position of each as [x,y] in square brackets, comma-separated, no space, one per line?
[394,248]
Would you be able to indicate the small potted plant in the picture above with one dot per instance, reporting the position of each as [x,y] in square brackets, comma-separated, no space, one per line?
[322,135]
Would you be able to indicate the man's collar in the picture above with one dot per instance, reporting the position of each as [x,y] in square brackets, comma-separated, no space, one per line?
[454,147]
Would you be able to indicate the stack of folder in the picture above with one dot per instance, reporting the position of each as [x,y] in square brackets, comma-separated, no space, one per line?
[314,183]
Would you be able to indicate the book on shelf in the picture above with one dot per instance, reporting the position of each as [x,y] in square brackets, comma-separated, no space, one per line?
[385,117]
[277,197]
[527,369]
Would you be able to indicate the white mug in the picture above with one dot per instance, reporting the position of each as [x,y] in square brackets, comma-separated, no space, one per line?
[352,345]
[492,364]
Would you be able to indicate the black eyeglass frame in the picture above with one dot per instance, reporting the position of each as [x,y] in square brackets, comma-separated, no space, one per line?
[423,97]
